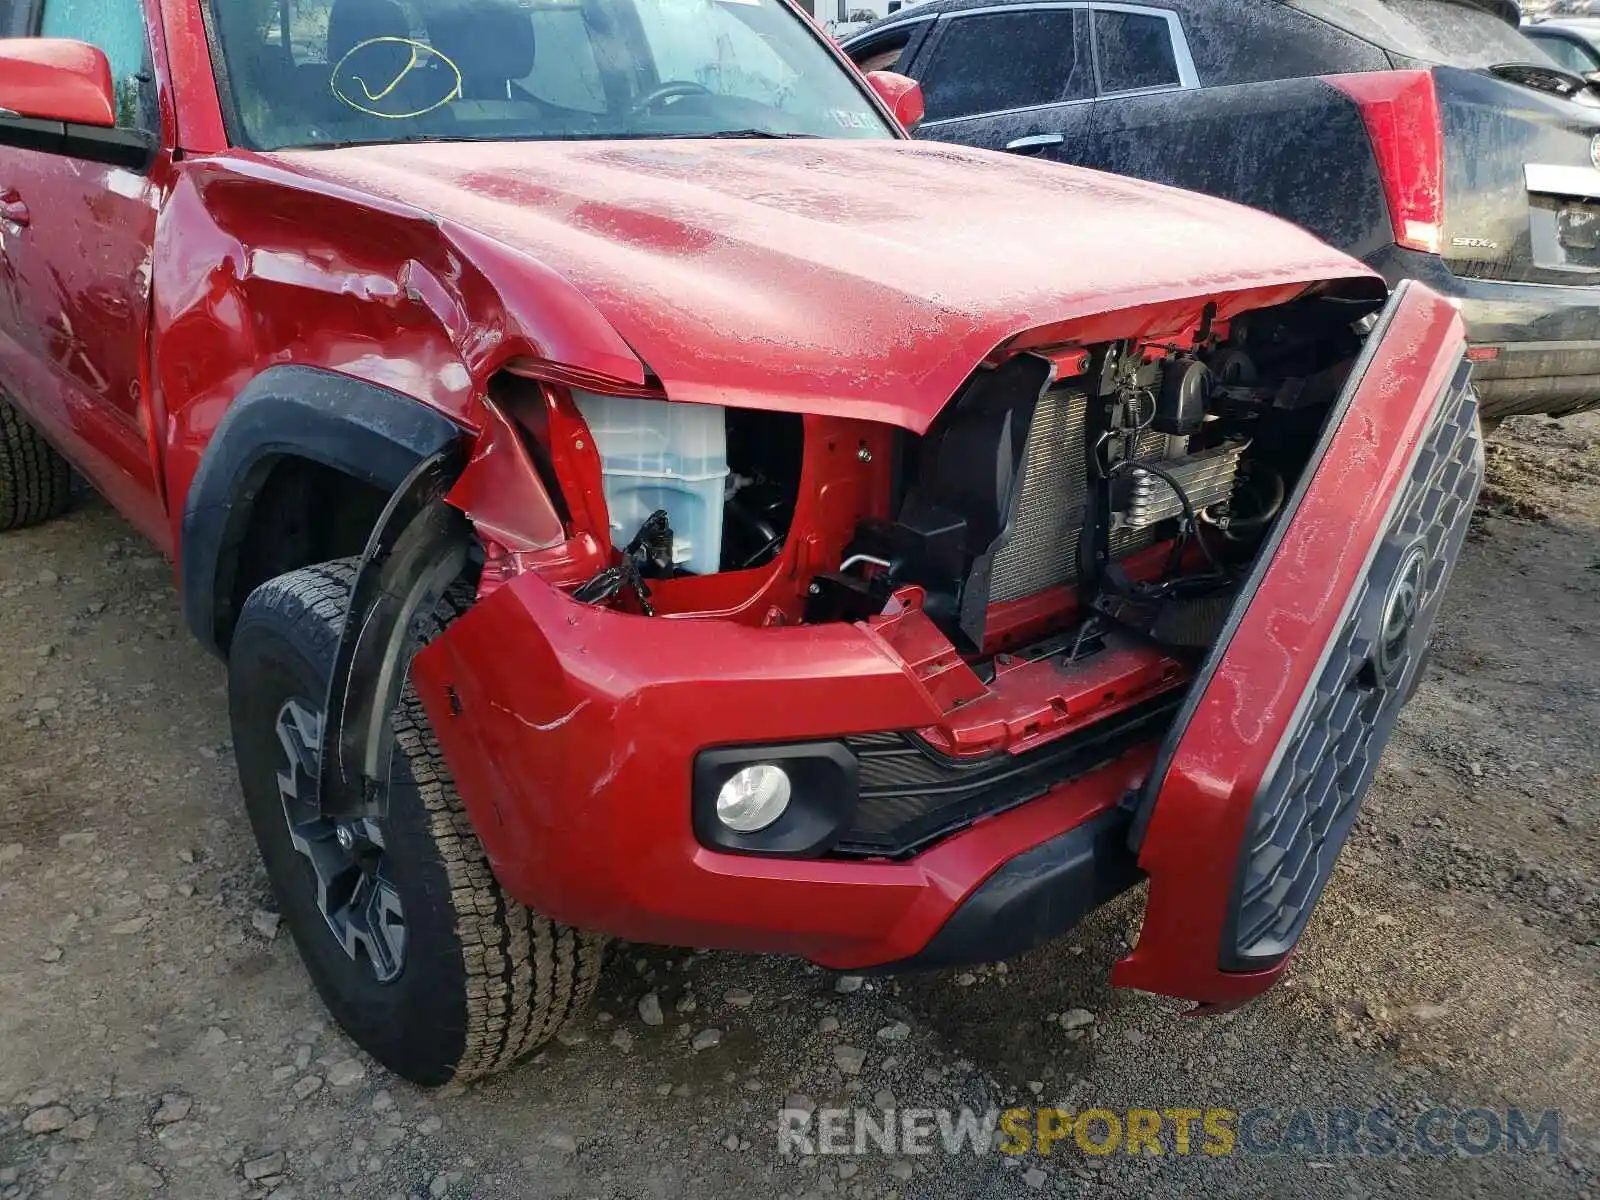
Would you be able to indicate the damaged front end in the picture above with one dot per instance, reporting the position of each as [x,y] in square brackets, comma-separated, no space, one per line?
[921,655]
[1073,505]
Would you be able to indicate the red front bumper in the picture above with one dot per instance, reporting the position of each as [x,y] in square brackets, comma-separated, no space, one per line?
[572,733]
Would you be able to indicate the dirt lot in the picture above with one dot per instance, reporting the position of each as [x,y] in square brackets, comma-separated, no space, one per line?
[157,1033]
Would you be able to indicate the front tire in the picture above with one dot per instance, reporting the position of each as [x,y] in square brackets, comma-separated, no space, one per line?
[422,958]
[35,481]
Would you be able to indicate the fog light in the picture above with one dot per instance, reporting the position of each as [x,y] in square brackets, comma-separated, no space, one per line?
[753,798]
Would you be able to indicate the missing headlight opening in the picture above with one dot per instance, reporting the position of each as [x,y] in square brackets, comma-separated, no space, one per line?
[690,489]
[1069,497]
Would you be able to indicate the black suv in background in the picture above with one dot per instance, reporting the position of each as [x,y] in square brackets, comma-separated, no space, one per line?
[1428,137]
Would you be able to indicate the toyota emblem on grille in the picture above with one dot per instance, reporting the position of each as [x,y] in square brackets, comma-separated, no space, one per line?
[1400,610]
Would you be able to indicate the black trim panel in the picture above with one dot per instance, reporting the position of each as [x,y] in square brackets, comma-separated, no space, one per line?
[912,795]
[370,433]
[1037,896]
[416,551]
[131,148]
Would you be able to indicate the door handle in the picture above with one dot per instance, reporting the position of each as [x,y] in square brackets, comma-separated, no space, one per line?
[1034,143]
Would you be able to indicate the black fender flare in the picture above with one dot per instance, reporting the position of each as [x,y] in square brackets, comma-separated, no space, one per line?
[419,547]
[373,434]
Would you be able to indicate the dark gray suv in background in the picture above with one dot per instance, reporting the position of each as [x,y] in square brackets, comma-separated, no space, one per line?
[1429,138]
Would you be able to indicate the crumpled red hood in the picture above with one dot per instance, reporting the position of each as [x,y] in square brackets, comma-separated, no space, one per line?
[866,278]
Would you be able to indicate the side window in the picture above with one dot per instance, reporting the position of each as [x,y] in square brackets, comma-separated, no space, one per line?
[1135,51]
[1005,60]
[116,27]
[883,60]
[882,53]
[1279,42]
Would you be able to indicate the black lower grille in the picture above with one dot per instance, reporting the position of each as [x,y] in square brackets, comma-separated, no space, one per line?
[912,795]
[1308,800]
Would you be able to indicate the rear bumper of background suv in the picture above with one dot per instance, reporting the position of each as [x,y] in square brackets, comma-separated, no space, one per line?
[1537,344]
[576,733]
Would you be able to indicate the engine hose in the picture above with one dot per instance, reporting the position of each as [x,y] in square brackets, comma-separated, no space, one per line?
[1235,525]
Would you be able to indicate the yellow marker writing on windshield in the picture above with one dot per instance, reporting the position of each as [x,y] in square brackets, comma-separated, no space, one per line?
[420,54]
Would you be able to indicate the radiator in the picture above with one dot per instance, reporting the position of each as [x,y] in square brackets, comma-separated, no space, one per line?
[1040,547]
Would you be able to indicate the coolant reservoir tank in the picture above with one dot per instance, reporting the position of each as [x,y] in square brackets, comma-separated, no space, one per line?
[657,454]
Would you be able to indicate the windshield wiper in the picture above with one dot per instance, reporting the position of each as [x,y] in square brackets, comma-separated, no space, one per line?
[735,133]
[616,135]
[1555,81]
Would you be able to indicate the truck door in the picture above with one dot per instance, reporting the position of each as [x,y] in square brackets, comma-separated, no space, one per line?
[76,240]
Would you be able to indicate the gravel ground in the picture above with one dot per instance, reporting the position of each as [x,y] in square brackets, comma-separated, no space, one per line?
[157,1034]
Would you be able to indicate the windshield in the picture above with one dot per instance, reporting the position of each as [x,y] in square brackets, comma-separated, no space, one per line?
[332,72]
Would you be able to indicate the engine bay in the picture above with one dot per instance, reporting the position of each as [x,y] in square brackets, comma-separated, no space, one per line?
[1121,488]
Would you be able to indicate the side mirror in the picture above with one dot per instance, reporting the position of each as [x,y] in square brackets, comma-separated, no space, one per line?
[55,79]
[901,93]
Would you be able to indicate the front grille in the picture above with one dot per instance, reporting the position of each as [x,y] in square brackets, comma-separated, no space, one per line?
[912,795]
[1039,549]
[1308,799]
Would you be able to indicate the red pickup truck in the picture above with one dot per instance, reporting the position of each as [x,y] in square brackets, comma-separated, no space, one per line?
[639,492]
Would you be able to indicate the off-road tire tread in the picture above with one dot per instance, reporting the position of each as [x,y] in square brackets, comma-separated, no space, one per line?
[35,481]
[526,975]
